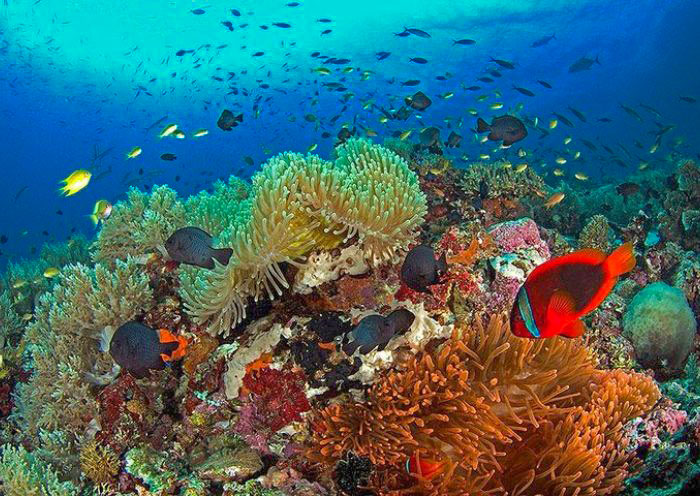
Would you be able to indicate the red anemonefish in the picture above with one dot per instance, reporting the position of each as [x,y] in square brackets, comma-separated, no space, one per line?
[562,290]
[425,469]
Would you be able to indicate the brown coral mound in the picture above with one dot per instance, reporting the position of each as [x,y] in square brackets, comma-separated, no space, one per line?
[507,416]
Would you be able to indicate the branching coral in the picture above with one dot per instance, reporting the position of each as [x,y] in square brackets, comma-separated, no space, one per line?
[140,224]
[302,203]
[501,182]
[63,342]
[595,234]
[23,474]
[503,415]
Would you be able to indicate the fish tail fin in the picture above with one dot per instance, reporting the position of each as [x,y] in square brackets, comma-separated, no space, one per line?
[222,255]
[620,261]
[349,348]
[95,219]
[481,125]
[442,263]
[168,338]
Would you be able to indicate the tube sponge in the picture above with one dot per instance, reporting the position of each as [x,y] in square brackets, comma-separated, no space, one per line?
[301,203]
[661,326]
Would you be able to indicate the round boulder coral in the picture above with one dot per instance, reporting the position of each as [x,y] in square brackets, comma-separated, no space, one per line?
[661,326]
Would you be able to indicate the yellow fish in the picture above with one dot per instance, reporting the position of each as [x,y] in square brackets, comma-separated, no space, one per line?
[581,176]
[383,119]
[312,148]
[553,123]
[179,134]
[643,165]
[484,156]
[567,140]
[200,132]
[51,272]
[168,130]
[481,98]
[577,155]
[483,139]
[496,106]
[558,172]
[27,317]
[447,95]
[560,160]
[101,211]
[19,284]
[521,153]
[405,134]
[348,70]
[370,132]
[135,152]
[323,71]
[77,180]
[520,167]
[473,111]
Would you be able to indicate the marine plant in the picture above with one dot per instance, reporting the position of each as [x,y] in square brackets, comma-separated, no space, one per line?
[300,203]
[502,415]
[139,225]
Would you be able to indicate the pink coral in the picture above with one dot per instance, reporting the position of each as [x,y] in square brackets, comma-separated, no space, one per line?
[664,421]
[517,235]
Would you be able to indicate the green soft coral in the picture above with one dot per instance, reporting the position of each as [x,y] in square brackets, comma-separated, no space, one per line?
[63,343]
[24,474]
[139,225]
[11,328]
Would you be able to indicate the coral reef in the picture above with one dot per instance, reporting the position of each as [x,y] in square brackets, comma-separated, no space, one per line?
[596,234]
[301,203]
[503,415]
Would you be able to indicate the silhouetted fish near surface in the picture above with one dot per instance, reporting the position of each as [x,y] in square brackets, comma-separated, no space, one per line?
[382,55]
[503,63]
[227,120]
[507,128]
[577,113]
[168,156]
[545,84]
[411,82]
[583,64]
[523,91]
[417,32]
[464,42]
[543,41]
[420,269]
[192,246]
[138,348]
[688,99]
[418,60]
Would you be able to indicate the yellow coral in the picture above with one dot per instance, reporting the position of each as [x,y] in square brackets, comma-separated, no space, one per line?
[98,463]
[300,203]
[505,416]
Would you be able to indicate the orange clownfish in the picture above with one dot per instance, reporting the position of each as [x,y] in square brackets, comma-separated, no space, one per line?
[424,469]
[560,291]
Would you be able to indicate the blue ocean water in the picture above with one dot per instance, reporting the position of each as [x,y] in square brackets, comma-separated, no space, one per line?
[80,79]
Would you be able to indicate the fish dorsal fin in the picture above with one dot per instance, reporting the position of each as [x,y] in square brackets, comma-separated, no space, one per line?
[589,255]
[561,304]
[574,330]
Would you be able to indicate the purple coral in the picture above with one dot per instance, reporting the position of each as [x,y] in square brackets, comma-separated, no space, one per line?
[517,235]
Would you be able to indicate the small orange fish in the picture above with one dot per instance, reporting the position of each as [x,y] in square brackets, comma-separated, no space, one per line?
[422,468]
[165,336]
[554,199]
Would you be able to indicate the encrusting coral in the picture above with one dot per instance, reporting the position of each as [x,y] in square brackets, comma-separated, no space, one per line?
[501,415]
[300,203]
